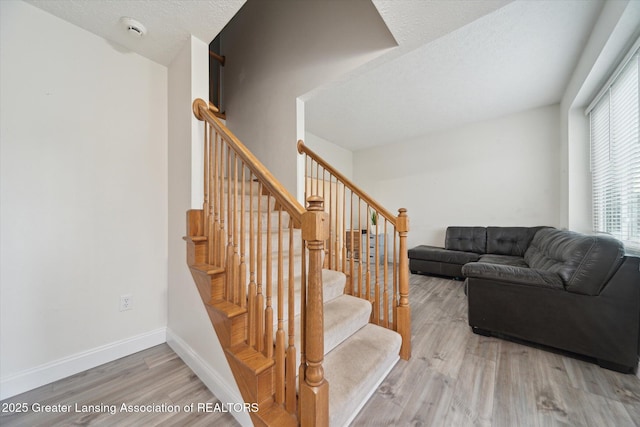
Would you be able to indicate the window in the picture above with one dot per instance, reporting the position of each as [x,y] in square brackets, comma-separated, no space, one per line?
[615,155]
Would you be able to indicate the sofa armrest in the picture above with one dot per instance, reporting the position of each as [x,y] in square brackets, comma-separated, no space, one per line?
[513,274]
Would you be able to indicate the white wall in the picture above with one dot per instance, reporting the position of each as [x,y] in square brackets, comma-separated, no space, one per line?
[277,51]
[340,158]
[497,172]
[615,31]
[83,140]
[189,330]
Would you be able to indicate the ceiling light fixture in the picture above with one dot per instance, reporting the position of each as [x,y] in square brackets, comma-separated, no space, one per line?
[133,27]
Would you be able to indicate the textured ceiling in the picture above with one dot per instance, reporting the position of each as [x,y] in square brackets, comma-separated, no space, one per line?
[169,22]
[416,22]
[518,57]
[458,61]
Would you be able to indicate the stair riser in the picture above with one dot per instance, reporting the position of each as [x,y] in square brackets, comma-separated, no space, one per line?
[210,288]
[196,252]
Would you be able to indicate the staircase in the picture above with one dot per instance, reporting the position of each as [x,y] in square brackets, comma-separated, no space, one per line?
[310,322]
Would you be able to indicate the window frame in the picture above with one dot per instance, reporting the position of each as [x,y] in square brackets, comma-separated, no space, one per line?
[614,187]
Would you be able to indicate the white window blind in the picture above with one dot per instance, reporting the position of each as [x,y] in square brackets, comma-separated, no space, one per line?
[615,157]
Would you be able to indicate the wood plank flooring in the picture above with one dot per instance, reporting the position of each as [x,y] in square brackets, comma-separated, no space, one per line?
[454,378]
[154,376]
[457,378]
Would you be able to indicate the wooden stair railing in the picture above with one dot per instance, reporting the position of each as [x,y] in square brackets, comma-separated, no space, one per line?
[230,247]
[376,266]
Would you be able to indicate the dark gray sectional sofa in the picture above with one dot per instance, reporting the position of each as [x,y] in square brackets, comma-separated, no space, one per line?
[558,288]
[499,245]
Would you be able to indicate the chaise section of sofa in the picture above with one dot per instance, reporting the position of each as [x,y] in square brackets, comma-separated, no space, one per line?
[497,245]
[462,245]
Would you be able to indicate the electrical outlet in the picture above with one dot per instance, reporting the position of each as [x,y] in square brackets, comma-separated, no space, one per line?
[126,302]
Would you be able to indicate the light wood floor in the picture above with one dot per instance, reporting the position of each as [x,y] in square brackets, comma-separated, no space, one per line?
[454,378]
[457,378]
[154,376]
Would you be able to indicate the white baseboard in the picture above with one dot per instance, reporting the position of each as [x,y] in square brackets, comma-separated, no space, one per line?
[29,379]
[221,388]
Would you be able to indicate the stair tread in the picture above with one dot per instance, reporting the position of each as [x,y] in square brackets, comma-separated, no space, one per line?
[356,367]
[252,358]
[207,268]
[229,308]
[343,316]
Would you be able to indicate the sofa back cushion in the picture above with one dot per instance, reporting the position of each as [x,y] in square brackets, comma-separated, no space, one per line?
[512,241]
[467,239]
[585,263]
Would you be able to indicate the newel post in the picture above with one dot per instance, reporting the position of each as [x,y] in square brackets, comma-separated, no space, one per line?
[404,310]
[314,390]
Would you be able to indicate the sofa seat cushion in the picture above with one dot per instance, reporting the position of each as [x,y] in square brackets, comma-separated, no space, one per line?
[513,274]
[432,253]
[516,261]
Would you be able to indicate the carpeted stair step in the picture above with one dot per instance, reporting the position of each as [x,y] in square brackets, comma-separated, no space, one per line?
[332,287]
[356,367]
[343,316]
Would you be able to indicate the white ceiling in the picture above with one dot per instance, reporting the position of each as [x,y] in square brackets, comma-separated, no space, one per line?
[517,57]
[458,61]
[169,22]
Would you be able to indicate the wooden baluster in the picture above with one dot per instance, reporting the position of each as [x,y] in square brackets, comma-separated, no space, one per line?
[342,237]
[361,253]
[280,349]
[211,242]
[396,299]
[385,294]
[260,296]
[235,266]
[205,204]
[223,238]
[339,226]
[268,314]
[352,236]
[230,225]
[219,212]
[290,398]
[367,258]
[328,248]
[252,270]
[376,252]
[334,224]
[242,276]
[303,321]
[314,391]
[214,200]
[306,176]
[404,310]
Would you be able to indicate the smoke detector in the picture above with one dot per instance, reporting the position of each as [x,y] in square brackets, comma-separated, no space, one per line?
[133,27]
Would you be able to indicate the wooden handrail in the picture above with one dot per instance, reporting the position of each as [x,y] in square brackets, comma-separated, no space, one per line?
[244,209]
[203,112]
[217,57]
[365,264]
[303,149]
